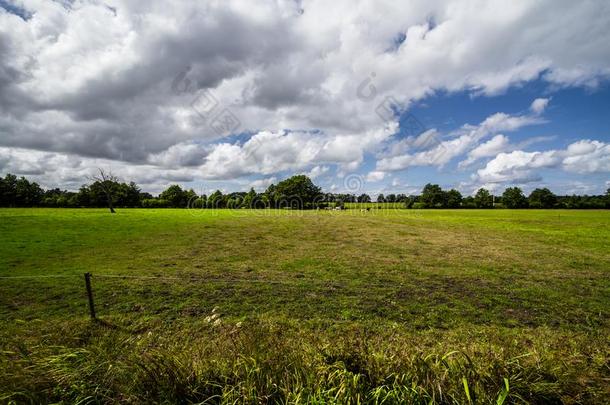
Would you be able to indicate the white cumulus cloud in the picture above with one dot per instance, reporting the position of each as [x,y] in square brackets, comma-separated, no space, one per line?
[585,156]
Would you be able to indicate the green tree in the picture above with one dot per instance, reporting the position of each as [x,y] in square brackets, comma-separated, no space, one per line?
[127,195]
[270,196]
[216,200]
[7,190]
[297,192]
[542,198]
[432,196]
[27,194]
[468,202]
[380,198]
[249,199]
[453,199]
[20,192]
[483,199]
[364,198]
[513,197]
[260,201]
[198,202]
[191,198]
[175,195]
[233,202]
[409,201]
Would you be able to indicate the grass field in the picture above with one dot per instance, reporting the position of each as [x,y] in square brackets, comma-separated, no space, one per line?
[394,306]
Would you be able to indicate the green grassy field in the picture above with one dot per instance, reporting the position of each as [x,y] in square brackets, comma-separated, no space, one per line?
[392,306]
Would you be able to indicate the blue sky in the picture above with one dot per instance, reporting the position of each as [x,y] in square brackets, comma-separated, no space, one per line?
[231,95]
[572,114]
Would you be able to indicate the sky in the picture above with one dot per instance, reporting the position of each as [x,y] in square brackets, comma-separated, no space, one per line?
[362,96]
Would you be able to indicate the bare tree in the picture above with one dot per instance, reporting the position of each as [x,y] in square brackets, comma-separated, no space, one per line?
[106,181]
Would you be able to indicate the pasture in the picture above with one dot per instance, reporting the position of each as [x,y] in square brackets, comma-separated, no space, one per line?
[242,306]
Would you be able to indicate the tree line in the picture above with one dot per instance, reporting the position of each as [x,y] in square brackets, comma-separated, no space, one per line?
[433,196]
[296,192]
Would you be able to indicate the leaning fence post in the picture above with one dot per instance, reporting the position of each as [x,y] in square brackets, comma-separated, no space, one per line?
[90,295]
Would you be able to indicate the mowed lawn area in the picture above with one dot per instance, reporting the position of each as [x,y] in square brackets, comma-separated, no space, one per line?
[241,306]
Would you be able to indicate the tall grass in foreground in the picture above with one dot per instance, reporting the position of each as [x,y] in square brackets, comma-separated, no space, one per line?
[266,362]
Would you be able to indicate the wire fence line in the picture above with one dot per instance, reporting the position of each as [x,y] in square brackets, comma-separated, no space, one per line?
[303,280]
[33,277]
[341,287]
[187,278]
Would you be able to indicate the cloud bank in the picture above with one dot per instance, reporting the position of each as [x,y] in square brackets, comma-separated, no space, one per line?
[146,87]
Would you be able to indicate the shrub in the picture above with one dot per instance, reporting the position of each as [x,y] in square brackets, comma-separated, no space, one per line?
[155,203]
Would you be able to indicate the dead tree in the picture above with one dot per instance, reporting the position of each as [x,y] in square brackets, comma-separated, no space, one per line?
[106,181]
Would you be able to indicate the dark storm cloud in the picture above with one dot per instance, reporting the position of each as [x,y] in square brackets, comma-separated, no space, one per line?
[124,111]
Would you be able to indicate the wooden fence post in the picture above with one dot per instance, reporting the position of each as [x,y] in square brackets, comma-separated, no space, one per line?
[90,295]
